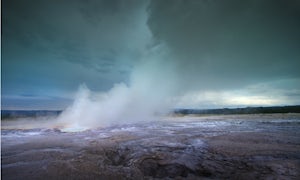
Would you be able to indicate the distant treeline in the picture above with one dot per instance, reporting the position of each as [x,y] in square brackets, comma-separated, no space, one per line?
[10,114]
[247,110]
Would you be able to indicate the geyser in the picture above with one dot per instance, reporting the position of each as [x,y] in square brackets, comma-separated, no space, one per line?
[147,95]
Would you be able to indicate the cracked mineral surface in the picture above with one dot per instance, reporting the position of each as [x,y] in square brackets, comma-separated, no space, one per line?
[189,147]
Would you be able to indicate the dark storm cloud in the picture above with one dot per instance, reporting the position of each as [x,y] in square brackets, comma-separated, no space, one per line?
[168,47]
[226,44]
[80,31]
[46,42]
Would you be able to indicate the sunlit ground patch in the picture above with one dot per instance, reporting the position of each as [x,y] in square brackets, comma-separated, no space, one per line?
[74,128]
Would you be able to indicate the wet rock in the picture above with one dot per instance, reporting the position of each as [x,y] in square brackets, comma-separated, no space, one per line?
[152,167]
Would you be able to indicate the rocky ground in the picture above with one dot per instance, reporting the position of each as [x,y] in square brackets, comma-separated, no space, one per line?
[206,147]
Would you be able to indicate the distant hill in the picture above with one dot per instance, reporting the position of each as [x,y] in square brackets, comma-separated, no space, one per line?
[10,114]
[247,110]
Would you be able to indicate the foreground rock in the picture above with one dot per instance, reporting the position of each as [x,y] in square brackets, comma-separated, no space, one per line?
[214,147]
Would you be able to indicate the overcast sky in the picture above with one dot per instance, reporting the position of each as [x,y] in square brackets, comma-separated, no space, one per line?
[203,54]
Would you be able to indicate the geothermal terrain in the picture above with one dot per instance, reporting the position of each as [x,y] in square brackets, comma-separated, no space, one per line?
[257,146]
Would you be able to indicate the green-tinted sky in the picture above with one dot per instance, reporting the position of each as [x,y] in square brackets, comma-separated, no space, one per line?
[200,53]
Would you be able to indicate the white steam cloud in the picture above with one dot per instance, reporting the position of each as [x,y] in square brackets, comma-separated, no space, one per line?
[147,95]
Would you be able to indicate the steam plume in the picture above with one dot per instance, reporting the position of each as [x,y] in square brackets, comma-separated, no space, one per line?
[147,94]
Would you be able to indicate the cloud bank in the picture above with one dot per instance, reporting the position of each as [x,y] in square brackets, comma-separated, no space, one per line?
[139,58]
